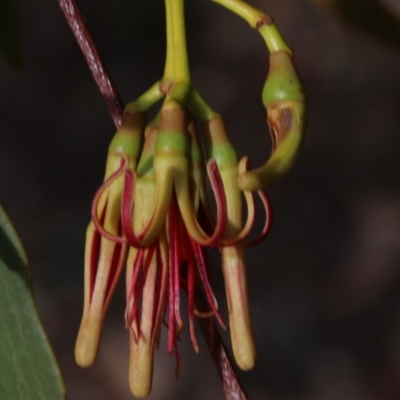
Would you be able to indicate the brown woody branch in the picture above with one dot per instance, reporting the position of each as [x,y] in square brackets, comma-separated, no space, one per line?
[95,63]
[230,382]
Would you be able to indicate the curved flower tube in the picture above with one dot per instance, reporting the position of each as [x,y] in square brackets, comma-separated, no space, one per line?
[104,258]
[233,263]
[146,278]
[283,98]
[146,284]
[155,276]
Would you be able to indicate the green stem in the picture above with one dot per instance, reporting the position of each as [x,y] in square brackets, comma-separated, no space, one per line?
[146,100]
[257,19]
[177,64]
[244,10]
[203,110]
[169,61]
[273,39]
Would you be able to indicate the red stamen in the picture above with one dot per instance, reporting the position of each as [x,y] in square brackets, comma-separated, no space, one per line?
[191,306]
[172,292]
[159,299]
[201,266]
[171,316]
[175,263]
[183,243]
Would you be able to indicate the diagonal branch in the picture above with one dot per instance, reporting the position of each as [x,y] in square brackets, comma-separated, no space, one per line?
[95,63]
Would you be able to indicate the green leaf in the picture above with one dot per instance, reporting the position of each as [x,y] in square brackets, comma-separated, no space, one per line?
[10,46]
[369,16]
[28,369]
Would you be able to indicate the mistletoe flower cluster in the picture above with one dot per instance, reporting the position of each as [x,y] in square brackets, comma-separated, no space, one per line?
[153,213]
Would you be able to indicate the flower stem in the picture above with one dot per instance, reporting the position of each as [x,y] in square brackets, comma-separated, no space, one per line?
[259,20]
[203,110]
[177,64]
[146,100]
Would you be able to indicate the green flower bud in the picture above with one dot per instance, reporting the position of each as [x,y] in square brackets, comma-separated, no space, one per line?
[283,98]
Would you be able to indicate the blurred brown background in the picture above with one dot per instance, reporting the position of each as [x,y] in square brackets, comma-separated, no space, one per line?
[325,285]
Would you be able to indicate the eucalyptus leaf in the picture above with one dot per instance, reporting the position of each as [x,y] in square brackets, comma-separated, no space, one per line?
[10,46]
[369,16]
[28,369]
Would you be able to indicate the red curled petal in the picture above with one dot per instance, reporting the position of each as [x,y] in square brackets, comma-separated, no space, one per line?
[98,223]
[268,219]
[220,198]
[248,225]
[189,216]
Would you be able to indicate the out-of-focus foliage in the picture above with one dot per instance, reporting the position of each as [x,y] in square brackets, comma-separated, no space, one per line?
[10,46]
[370,16]
[28,370]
